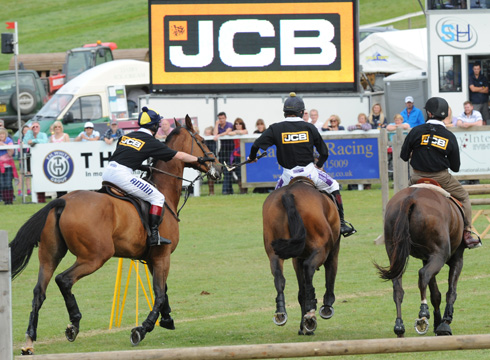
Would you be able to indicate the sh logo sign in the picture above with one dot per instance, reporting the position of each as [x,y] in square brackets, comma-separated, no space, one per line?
[252,43]
[456,33]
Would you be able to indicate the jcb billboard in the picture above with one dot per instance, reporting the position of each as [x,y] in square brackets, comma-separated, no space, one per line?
[276,46]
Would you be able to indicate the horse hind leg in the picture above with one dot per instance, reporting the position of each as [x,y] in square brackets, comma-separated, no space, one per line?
[327,311]
[455,267]
[51,252]
[435,299]
[398,295]
[280,317]
[65,282]
[306,295]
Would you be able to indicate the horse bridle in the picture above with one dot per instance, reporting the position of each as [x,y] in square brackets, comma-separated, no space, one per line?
[191,183]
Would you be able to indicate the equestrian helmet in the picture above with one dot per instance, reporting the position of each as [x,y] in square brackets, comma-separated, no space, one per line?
[293,104]
[148,118]
[438,107]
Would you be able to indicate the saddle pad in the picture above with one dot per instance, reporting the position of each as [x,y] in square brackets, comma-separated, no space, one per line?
[433,187]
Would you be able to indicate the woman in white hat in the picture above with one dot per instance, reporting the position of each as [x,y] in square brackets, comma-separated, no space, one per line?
[89,134]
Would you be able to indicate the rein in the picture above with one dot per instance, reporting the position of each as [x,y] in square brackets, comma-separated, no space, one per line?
[191,183]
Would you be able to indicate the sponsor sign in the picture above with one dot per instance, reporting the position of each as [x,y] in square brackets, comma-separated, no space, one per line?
[349,159]
[218,46]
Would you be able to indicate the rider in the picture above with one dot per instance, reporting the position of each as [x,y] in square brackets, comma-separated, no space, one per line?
[295,139]
[131,151]
[433,149]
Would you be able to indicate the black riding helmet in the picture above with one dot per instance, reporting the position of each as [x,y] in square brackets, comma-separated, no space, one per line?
[294,105]
[438,107]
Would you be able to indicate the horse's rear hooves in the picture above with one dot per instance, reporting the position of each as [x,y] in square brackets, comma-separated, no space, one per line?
[27,351]
[71,332]
[422,326]
[443,330]
[326,312]
[137,335]
[167,324]
[280,318]
[309,323]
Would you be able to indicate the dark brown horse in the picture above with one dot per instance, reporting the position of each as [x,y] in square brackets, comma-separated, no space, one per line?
[64,225]
[427,225]
[302,223]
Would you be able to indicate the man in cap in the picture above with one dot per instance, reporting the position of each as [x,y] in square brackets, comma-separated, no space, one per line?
[131,151]
[113,133]
[412,115]
[88,133]
[296,157]
[432,150]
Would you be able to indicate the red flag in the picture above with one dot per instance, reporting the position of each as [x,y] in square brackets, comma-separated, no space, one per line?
[10,25]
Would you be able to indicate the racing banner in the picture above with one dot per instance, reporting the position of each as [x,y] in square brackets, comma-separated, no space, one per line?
[222,46]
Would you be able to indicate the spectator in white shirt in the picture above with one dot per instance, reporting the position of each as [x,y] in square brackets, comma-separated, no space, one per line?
[469,117]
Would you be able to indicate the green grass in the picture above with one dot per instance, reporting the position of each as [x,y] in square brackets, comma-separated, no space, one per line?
[59,25]
[221,290]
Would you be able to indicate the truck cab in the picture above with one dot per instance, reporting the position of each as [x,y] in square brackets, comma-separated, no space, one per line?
[86,57]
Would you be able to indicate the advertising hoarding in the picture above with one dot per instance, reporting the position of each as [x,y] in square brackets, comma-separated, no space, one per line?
[219,46]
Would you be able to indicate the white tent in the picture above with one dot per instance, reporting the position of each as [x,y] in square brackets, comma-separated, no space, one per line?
[394,51]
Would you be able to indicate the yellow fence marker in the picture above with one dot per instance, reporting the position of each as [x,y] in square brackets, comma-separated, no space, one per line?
[118,305]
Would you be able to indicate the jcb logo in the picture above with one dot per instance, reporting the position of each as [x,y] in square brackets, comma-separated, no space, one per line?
[295,137]
[437,141]
[131,142]
[271,42]
[203,46]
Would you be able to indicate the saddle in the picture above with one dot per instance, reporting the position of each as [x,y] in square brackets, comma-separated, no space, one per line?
[143,207]
[434,185]
[307,181]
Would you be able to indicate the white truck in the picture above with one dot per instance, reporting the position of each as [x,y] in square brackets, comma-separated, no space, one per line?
[107,91]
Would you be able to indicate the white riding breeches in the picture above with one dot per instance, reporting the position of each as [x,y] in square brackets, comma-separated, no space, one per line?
[123,177]
[322,180]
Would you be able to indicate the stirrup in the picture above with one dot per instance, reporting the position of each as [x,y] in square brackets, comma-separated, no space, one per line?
[477,245]
[349,232]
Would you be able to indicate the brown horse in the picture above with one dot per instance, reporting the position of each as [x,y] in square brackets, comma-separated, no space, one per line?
[61,226]
[302,223]
[426,224]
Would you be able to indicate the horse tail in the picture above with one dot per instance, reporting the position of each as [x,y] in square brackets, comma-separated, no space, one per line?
[401,242]
[29,236]
[293,247]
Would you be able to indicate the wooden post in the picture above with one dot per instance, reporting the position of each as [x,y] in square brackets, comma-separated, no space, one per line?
[400,167]
[6,350]
[289,350]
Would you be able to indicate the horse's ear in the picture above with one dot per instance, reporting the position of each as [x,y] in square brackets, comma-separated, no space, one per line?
[188,122]
[177,124]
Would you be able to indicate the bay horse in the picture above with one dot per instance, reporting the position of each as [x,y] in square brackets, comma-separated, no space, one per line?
[301,223]
[422,221]
[61,226]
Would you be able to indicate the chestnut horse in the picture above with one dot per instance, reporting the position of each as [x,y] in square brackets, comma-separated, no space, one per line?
[426,224]
[96,227]
[302,223]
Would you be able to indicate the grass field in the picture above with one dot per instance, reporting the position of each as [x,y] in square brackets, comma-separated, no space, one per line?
[58,25]
[221,290]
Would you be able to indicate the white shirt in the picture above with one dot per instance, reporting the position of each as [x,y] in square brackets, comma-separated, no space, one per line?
[472,118]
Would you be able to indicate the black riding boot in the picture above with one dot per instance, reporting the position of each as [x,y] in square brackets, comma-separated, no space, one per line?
[346,227]
[155,238]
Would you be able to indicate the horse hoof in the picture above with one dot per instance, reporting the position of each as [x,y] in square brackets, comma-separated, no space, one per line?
[443,330]
[280,319]
[167,324]
[71,332]
[27,351]
[399,328]
[137,335]
[326,312]
[309,323]
[422,326]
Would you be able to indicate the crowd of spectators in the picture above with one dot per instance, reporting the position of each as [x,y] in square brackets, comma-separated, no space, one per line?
[228,150]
